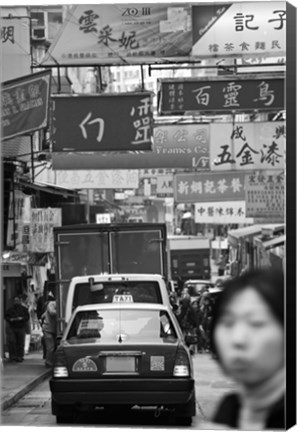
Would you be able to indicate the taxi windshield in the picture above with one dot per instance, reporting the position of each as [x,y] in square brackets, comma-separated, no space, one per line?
[121,325]
[138,292]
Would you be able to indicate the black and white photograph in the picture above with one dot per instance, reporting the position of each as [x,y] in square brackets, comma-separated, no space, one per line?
[148,215]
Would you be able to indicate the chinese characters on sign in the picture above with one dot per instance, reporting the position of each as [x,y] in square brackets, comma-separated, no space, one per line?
[221,95]
[239,29]
[165,185]
[112,122]
[247,146]
[43,221]
[221,212]
[103,179]
[121,33]
[174,146]
[207,187]
[19,221]
[25,104]
[265,195]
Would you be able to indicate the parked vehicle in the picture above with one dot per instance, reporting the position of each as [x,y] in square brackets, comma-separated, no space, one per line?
[189,257]
[118,355]
[96,289]
[94,249]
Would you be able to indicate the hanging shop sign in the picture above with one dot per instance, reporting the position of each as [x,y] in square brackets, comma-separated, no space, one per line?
[122,34]
[206,187]
[230,212]
[25,104]
[15,47]
[265,196]
[93,179]
[175,146]
[105,122]
[246,146]
[43,220]
[164,186]
[227,94]
[239,29]
[19,216]
[102,218]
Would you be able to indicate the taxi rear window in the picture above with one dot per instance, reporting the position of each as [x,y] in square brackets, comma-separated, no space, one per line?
[113,326]
[128,291]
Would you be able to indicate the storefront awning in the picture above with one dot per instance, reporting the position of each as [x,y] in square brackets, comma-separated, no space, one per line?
[38,259]
[235,235]
[277,241]
[50,188]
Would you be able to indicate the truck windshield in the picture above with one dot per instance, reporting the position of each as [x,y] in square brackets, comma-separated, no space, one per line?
[130,291]
[100,326]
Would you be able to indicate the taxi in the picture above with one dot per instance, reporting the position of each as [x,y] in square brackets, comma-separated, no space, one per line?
[122,355]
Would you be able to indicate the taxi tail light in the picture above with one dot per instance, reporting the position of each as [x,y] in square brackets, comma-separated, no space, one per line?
[60,369]
[182,364]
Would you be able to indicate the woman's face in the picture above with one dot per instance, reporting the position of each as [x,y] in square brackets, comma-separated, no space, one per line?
[249,339]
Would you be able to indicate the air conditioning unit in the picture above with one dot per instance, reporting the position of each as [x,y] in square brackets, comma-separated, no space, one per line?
[39,34]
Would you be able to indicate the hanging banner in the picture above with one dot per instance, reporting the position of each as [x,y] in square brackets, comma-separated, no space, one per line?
[246,146]
[15,47]
[93,179]
[43,220]
[19,217]
[226,94]
[265,196]
[25,104]
[105,122]
[239,29]
[206,187]
[222,213]
[164,186]
[120,34]
[175,146]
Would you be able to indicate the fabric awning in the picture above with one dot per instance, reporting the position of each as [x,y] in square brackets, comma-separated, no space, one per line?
[38,259]
[49,188]
[272,243]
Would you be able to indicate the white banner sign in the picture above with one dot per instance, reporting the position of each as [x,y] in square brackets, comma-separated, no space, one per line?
[222,213]
[239,29]
[42,222]
[19,221]
[247,146]
[95,179]
[165,185]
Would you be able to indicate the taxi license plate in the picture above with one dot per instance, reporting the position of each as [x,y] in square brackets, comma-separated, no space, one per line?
[120,364]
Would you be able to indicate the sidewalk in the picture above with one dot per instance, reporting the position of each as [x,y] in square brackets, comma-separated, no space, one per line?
[17,379]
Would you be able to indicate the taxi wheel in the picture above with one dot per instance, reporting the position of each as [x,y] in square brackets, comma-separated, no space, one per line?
[62,419]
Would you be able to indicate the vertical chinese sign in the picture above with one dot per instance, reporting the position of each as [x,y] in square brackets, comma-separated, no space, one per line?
[19,221]
[248,146]
[265,196]
[42,223]
[112,122]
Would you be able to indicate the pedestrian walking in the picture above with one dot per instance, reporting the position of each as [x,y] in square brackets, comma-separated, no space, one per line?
[17,317]
[187,318]
[40,309]
[28,326]
[49,328]
[248,337]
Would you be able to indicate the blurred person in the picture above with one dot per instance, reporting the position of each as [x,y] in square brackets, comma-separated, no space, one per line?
[40,309]
[28,326]
[187,318]
[17,317]
[248,338]
[49,328]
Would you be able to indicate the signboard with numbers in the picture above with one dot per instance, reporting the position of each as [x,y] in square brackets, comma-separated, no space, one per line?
[265,195]
[122,34]
[222,213]
[239,29]
[207,187]
[102,218]
[175,146]
[104,122]
[93,179]
[247,146]
[25,104]
[226,94]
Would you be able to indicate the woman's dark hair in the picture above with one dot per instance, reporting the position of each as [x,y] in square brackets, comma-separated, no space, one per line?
[267,282]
